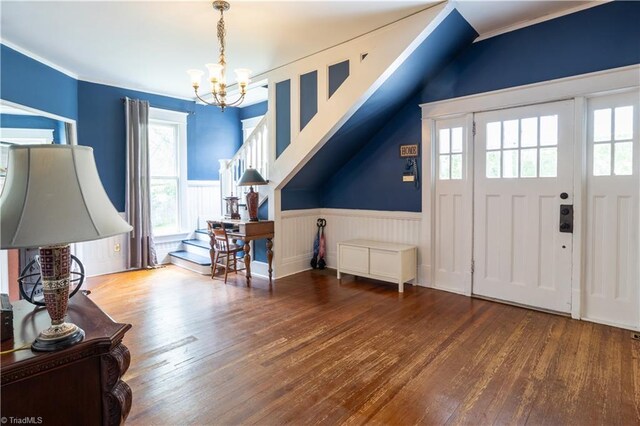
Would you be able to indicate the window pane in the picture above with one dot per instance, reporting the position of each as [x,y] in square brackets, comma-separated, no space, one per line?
[510,134]
[529,163]
[529,131]
[164,206]
[549,130]
[624,123]
[163,150]
[493,164]
[548,162]
[456,139]
[602,125]
[456,166]
[444,167]
[602,159]
[624,158]
[493,135]
[510,163]
[444,141]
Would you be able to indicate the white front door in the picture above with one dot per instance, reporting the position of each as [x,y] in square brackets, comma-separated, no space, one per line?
[523,175]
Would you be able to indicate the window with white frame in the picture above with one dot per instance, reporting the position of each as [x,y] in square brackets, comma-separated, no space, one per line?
[613,141]
[167,169]
[522,148]
[450,153]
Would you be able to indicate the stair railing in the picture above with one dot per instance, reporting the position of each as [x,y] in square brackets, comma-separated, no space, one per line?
[254,153]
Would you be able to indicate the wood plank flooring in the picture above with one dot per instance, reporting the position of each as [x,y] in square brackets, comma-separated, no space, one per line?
[310,349]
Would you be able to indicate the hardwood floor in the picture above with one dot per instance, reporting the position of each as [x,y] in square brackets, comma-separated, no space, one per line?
[309,349]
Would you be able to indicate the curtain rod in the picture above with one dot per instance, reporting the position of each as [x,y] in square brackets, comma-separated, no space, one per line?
[124,99]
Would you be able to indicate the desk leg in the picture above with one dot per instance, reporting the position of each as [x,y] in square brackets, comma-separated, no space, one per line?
[247,258]
[270,255]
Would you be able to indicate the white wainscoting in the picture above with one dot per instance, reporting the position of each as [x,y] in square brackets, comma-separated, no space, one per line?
[104,256]
[299,230]
[203,202]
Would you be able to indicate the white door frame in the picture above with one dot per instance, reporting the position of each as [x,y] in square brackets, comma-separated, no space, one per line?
[576,87]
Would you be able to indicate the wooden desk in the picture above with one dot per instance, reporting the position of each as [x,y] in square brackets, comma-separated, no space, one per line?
[248,231]
[79,385]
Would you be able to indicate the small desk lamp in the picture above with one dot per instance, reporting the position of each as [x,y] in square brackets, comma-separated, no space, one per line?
[249,178]
[53,197]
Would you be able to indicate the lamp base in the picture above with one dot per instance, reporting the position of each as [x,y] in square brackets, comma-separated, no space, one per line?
[58,337]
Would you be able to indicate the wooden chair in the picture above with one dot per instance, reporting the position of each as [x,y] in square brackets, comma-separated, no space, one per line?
[223,254]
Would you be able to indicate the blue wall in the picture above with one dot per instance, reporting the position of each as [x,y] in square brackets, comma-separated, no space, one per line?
[599,38]
[372,179]
[212,134]
[254,110]
[28,82]
[35,122]
[595,39]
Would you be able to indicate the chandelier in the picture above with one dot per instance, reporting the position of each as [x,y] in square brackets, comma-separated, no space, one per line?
[217,72]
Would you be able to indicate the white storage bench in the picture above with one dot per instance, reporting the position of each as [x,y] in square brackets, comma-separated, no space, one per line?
[396,263]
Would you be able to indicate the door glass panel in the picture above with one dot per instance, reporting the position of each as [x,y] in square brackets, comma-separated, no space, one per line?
[510,164]
[529,132]
[549,130]
[493,164]
[602,159]
[623,158]
[548,162]
[529,163]
[493,135]
[510,134]
[602,125]
[624,123]
[444,141]
[456,166]
[456,139]
[444,167]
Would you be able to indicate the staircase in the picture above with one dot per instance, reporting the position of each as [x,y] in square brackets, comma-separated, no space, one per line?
[370,60]
[195,253]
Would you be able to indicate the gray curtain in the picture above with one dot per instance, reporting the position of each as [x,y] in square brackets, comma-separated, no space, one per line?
[142,252]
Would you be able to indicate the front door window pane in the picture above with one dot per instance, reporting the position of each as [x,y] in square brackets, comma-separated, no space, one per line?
[623,158]
[548,162]
[602,125]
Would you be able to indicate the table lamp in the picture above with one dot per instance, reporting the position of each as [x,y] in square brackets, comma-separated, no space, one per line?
[53,197]
[249,178]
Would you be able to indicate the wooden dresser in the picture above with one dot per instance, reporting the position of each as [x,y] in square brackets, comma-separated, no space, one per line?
[80,385]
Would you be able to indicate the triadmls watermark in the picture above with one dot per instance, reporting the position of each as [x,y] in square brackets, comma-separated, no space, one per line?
[21,420]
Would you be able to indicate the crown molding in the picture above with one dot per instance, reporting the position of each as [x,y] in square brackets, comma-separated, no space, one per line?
[38,58]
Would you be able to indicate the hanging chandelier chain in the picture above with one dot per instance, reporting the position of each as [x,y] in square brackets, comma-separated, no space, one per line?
[217,72]
[221,33]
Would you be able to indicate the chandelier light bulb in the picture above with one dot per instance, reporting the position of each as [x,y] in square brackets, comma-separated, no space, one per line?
[217,74]
[196,77]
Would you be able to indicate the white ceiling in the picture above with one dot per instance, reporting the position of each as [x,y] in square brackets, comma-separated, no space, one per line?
[148,45]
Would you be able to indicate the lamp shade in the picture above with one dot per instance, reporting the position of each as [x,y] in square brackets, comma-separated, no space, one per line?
[53,196]
[251,177]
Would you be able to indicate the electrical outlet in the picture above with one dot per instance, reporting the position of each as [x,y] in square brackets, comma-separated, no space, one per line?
[116,247]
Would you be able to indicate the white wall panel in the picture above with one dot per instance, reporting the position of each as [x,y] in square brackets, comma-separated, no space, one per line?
[203,202]
[299,230]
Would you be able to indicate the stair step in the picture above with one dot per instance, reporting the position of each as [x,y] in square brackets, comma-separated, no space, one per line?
[197,243]
[191,257]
